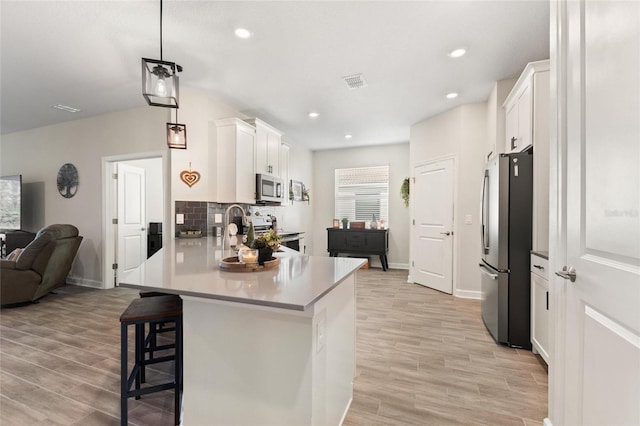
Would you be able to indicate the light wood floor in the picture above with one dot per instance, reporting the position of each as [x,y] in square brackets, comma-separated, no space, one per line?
[423,358]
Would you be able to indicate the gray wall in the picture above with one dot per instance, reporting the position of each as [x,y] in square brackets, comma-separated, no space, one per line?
[37,154]
[396,156]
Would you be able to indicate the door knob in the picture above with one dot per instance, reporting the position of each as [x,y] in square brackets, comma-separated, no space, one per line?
[568,273]
[446,233]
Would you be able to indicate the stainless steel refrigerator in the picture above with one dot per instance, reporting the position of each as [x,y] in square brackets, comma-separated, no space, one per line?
[507,197]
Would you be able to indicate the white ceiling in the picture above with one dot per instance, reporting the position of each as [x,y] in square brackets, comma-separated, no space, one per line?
[87,54]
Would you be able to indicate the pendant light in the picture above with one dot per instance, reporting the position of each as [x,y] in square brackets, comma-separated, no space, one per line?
[177,134]
[160,79]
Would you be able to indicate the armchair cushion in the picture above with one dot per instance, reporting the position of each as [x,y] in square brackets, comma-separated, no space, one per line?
[7,264]
[28,256]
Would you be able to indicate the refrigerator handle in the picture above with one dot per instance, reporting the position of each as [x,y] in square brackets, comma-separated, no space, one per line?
[486,271]
[484,214]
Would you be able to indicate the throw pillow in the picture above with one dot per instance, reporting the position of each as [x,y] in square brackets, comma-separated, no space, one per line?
[13,256]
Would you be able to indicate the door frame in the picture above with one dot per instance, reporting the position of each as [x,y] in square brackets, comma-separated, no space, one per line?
[109,206]
[454,245]
[558,208]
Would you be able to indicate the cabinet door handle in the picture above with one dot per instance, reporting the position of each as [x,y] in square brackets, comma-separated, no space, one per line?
[547,300]
[513,142]
[539,267]
[446,233]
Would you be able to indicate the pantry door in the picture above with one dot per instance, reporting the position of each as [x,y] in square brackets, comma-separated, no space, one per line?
[132,231]
[431,192]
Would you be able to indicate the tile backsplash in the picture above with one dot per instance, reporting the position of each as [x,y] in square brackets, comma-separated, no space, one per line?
[203,215]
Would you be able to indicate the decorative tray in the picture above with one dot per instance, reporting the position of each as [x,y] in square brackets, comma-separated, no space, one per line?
[231,264]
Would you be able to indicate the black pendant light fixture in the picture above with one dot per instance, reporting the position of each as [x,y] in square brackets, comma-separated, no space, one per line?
[160,79]
[176,134]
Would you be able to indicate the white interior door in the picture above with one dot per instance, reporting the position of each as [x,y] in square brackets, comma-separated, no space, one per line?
[600,348]
[132,234]
[432,200]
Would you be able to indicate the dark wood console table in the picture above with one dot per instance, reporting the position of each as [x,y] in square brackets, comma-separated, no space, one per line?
[359,241]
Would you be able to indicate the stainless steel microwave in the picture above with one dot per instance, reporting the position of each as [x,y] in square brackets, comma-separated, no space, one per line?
[269,189]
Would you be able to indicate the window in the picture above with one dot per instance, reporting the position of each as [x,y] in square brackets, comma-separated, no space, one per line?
[362,192]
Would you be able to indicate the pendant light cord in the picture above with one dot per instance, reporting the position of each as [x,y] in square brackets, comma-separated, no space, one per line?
[161,30]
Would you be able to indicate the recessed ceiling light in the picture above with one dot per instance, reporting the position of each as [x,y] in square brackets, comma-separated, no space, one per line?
[243,33]
[348,136]
[66,108]
[452,95]
[314,114]
[456,53]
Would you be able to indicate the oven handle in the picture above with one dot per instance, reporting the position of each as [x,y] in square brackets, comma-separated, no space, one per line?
[287,239]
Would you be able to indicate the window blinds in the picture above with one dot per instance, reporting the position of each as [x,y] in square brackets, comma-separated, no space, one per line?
[361,192]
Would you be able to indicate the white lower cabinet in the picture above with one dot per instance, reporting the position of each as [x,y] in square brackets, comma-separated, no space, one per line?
[540,313]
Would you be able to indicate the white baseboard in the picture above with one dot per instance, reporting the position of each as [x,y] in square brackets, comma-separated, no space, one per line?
[376,264]
[467,294]
[463,294]
[399,266]
[84,282]
[547,422]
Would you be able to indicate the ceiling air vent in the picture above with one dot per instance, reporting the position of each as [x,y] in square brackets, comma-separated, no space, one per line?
[355,81]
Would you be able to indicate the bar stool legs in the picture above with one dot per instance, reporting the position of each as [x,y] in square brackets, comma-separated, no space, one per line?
[141,312]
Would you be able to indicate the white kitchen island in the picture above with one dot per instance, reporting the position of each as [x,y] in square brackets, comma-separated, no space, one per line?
[274,347]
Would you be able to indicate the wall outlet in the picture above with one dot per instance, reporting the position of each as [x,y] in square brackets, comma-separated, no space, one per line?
[467,219]
[217,218]
[179,219]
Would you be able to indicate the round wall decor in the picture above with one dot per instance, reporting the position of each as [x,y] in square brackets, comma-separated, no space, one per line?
[68,180]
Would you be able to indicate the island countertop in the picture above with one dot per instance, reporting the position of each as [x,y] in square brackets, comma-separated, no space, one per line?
[190,267]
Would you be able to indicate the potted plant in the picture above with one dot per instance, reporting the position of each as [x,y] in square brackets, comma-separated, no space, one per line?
[404,191]
[345,222]
[266,244]
[251,235]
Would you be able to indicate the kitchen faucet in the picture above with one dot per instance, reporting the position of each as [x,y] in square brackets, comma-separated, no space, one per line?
[225,224]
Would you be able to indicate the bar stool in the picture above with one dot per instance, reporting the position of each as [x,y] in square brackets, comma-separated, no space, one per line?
[155,328]
[140,312]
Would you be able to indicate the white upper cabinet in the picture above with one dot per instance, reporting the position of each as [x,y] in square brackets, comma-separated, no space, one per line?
[526,125]
[496,117]
[267,152]
[284,172]
[235,175]
[527,108]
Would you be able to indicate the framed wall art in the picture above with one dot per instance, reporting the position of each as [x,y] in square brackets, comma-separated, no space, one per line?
[296,190]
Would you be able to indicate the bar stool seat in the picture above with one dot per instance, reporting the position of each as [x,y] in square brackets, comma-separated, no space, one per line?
[155,328]
[141,312]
